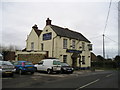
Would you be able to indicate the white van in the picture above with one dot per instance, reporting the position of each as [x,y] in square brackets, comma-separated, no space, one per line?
[49,65]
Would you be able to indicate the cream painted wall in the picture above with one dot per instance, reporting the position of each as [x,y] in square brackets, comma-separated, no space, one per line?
[87,55]
[59,51]
[33,37]
[47,44]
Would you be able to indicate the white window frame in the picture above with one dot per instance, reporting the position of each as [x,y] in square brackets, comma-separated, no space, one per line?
[65,43]
[73,44]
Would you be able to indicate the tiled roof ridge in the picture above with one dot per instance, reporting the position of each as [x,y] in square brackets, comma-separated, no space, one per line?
[73,34]
[67,29]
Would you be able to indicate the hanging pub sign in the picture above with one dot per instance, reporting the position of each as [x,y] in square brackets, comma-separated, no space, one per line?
[73,51]
[47,36]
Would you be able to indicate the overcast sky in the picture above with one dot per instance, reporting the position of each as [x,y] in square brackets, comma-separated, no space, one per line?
[85,17]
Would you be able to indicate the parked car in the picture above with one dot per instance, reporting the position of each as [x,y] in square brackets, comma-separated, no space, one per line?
[49,65]
[7,68]
[24,67]
[65,68]
[1,57]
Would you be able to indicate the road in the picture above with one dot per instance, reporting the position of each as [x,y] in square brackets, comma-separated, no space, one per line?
[76,81]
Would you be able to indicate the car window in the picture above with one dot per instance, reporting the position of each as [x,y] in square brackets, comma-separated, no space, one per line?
[15,63]
[56,63]
[41,62]
[28,63]
[1,58]
[64,64]
[19,63]
[0,63]
[6,63]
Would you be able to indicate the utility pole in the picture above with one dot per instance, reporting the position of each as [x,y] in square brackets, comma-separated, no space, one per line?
[103,51]
[103,47]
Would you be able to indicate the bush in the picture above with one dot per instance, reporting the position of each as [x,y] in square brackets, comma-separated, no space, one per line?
[104,64]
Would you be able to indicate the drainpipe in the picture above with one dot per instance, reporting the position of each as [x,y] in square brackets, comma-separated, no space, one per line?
[53,46]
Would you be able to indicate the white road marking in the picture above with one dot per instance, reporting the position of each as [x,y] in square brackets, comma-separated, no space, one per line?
[109,75]
[88,84]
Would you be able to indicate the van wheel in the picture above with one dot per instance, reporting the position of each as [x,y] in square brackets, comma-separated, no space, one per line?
[49,71]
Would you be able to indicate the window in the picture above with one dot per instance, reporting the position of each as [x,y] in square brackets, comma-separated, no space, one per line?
[89,47]
[80,60]
[40,63]
[65,58]
[19,63]
[16,63]
[64,43]
[56,63]
[6,63]
[83,46]
[64,64]
[28,63]
[42,46]
[73,44]
[83,59]
[46,30]
[1,57]
[32,45]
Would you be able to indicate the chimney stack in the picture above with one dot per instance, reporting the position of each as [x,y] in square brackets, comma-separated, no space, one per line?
[35,27]
[48,21]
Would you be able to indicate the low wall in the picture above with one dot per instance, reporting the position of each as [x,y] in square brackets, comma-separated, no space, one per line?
[34,57]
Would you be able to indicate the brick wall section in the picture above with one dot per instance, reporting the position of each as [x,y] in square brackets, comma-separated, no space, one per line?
[93,57]
[35,58]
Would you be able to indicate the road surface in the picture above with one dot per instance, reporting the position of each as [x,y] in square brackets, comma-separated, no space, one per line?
[76,81]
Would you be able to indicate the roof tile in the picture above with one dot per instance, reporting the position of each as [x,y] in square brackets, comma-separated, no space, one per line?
[65,32]
[38,32]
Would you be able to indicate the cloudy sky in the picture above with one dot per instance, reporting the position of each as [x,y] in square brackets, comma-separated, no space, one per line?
[88,18]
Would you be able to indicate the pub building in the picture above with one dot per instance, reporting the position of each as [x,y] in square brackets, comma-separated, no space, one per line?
[67,45]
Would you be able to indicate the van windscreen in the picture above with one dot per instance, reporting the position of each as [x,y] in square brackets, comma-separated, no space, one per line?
[56,63]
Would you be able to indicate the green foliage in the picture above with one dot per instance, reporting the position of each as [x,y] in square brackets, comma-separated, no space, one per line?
[117,59]
[100,58]
[104,64]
